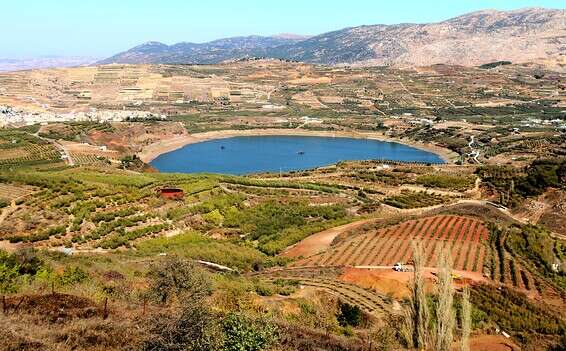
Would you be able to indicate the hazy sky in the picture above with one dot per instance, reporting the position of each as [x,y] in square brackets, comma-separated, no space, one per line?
[104,27]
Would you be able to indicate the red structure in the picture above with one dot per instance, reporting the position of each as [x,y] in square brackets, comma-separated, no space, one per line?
[172,193]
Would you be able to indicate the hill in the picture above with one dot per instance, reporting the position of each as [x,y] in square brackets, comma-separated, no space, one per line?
[212,52]
[524,35]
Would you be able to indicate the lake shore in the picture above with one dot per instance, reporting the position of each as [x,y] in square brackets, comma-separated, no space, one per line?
[152,151]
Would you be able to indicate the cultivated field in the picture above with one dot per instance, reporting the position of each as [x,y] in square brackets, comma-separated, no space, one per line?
[464,237]
[12,192]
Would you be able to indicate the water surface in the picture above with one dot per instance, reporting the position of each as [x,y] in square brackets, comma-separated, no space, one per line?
[253,154]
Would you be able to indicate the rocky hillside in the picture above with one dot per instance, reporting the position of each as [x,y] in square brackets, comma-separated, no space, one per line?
[212,52]
[519,36]
[471,39]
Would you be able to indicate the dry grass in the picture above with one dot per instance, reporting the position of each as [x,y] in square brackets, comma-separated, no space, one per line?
[31,332]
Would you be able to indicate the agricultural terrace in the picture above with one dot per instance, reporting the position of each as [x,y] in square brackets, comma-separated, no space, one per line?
[18,148]
[464,237]
[108,209]
[10,192]
[522,257]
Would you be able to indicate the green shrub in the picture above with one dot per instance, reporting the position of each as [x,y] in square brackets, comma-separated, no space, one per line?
[277,225]
[243,333]
[513,312]
[199,247]
[214,217]
[178,278]
[9,278]
[72,276]
[17,268]
[412,199]
[263,289]
[349,315]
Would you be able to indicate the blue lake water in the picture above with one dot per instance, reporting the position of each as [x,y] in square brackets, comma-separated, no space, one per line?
[243,155]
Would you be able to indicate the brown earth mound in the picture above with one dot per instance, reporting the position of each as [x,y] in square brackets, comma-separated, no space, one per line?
[52,307]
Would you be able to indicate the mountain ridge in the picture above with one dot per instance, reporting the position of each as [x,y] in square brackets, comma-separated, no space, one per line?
[530,34]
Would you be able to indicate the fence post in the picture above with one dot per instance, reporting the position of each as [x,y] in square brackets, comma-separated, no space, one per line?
[105,313]
[144,305]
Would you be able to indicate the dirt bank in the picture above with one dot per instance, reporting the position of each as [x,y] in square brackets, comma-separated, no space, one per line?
[152,151]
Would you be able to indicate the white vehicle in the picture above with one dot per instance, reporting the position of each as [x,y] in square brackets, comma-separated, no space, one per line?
[401,267]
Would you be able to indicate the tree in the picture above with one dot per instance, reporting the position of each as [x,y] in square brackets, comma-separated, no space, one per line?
[417,318]
[444,311]
[349,315]
[466,321]
[190,324]
[175,277]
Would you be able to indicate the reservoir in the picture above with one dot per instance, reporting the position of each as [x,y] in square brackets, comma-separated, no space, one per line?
[254,154]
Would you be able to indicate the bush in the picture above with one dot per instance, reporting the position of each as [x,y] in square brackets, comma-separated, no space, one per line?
[513,312]
[193,328]
[278,225]
[8,278]
[195,246]
[28,261]
[242,333]
[349,315]
[538,176]
[540,250]
[72,275]
[178,278]
[214,217]
[17,267]
[4,203]
[412,199]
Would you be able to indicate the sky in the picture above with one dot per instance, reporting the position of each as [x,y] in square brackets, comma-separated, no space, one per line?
[101,28]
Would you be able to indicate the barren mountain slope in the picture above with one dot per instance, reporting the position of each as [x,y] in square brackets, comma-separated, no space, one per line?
[472,39]
[526,35]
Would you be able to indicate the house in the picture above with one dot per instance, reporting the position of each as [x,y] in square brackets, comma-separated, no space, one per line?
[172,193]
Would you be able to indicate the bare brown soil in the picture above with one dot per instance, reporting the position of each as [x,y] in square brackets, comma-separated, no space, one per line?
[389,282]
[52,307]
[491,343]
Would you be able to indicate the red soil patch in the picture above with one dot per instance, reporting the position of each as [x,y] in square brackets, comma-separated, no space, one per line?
[385,281]
[490,343]
[389,282]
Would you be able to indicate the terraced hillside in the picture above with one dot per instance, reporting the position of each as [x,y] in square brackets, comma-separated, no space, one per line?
[368,300]
[18,148]
[463,236]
